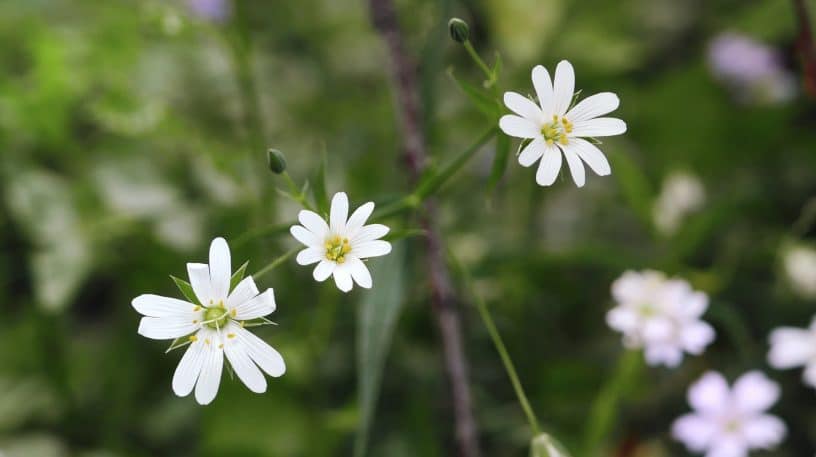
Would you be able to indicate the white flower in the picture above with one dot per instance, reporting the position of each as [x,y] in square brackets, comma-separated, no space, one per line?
[215,329]
[730,422]
[682,194]
[660,315]
[795,347]
[799,264]
[340,246]
[554,127]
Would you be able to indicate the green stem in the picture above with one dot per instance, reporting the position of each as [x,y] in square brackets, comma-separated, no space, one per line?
[605,407]
[275,263]
[478,59]
[509,367]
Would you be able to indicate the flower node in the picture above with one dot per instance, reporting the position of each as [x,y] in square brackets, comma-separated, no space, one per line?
[337,248]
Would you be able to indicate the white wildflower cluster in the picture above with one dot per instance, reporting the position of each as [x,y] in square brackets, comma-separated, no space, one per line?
[660,315]
[220,306]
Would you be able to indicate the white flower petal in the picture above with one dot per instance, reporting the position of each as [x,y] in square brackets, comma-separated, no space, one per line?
[259,306]
[313,223]
[623,319]
[695,431]
[589,154]
[549,167]
[210,378]
[369,233]
[600,126]
[764,432]
[576,167]
[532,152]
[809,374]
[323,270]
[523,106]
[309,256]
[791,347]
[305,236]
[359,272]
[244,291]
[754,392]
[188,369]
[241,363]
[342,277]
[544,90]
[339,212]
[563,87]
[693,304]
[593,106]
[663,354]
[166,328]
[199,274]
[220,269]
[696,336]
[358,218]
[710,394]
[159,306]
[374,248]
[519,127]
[728,446]
[658,329]
[267,358]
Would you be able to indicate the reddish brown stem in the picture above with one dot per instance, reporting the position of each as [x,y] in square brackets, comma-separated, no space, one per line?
[444,301]
[805,47]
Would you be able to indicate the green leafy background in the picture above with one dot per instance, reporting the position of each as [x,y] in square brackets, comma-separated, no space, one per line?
[132,133]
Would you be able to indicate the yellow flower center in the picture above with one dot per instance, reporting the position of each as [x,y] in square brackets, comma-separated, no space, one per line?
[216,317]
[337,248]
[557,131]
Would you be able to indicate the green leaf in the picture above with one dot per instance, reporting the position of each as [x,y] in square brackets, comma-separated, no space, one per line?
[396,235]
[635,187]
[499,162]
[186,290]
[238,275]
[319,192]
[377,319]
[496,70]
[482,100]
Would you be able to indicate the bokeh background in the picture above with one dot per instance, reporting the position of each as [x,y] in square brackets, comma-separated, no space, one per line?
[133,132]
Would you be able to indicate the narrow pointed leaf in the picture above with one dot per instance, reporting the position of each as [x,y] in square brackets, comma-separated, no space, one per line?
[238,275]
[377,319]
[499,162]
[482,100]
[186,290]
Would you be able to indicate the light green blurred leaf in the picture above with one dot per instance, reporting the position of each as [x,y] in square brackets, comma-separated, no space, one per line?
[319,191]
[377,319]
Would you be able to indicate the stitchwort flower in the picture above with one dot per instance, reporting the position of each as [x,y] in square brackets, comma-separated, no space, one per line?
[212,322]
[339,247]
[555,129]
[729,422]
[660,315]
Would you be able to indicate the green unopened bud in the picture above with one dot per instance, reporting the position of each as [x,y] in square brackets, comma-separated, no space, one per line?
[459,30]
[277,162]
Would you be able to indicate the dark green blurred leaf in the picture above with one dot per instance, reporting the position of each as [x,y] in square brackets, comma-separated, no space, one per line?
[499,162]
[634,185]
[319,191]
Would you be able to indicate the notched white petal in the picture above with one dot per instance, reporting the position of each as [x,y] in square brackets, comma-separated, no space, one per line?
[257,307]
[159,306]
[220,269]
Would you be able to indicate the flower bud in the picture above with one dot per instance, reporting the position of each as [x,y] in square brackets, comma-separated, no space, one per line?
[459,30]
[277,162]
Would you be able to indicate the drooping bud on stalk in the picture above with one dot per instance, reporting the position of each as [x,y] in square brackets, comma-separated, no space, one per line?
[544,445]
[459,30]
[277,162]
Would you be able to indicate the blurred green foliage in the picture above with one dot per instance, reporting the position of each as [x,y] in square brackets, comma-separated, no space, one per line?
[131,133]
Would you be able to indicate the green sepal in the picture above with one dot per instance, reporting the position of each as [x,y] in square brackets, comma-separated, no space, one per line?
[186,290]
[238,275]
